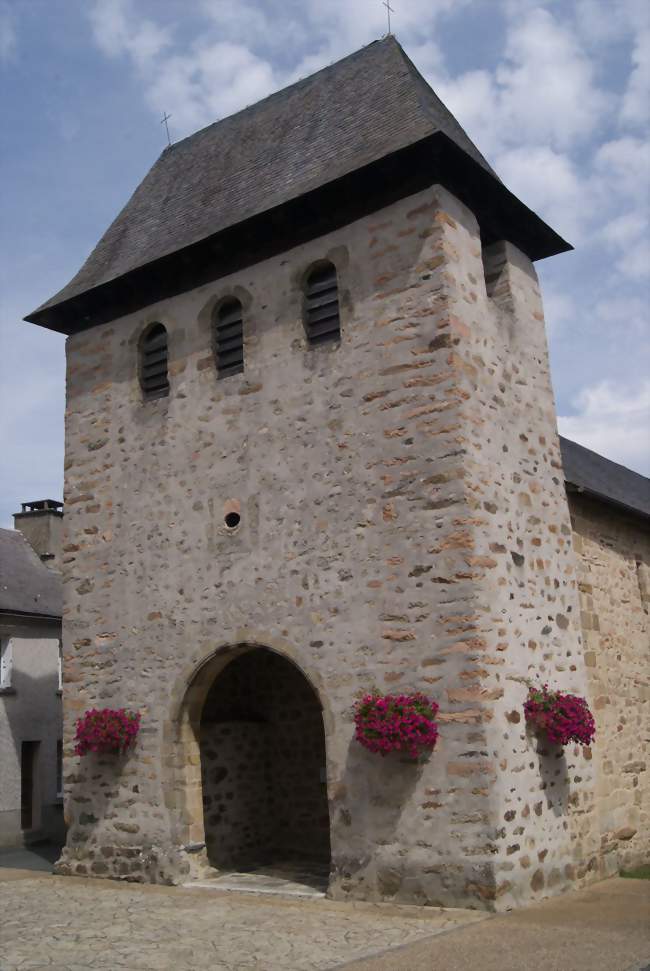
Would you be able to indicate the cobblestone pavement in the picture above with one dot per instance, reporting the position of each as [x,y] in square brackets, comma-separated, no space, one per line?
[75,924]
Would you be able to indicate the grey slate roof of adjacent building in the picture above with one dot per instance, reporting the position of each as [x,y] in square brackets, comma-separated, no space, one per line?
[27,586]
[354,112]
[597,476]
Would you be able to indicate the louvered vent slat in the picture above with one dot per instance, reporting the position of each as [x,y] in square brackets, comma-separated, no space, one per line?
[229,339]
[232,344]
[325,330]
[323,279]
[156,357]
[322,320]
[153,363]
[323,294]
[156,341]
[329,309]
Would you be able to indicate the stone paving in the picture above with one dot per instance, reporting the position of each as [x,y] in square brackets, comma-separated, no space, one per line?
[75,924]
[286,878]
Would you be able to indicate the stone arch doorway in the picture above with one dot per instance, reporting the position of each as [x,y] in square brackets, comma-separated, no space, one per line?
[263,778]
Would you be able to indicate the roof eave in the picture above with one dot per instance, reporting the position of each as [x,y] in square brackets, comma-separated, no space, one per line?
[584,490]
[433,159]
[30,614]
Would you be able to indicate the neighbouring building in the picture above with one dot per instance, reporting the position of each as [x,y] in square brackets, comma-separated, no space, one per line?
[610,516]
[311,449]
[31,789]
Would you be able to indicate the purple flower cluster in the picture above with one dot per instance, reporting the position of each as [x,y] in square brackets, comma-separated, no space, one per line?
[106,731]
[562,717]
[396,723]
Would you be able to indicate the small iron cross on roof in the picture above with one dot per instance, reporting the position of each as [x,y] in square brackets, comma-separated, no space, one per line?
[165,119]
[389,11]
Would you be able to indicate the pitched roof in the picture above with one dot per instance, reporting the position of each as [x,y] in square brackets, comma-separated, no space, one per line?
[27,586]
[597,476]
[349,115]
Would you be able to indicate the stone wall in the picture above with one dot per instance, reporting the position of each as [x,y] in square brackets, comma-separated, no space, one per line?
[237,793]
[403,525]
[613,555]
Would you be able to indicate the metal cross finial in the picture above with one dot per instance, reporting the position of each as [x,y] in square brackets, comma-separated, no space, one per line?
[165,119]
[389,11]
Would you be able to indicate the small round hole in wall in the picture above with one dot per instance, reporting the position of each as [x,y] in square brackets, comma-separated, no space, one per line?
[232,520]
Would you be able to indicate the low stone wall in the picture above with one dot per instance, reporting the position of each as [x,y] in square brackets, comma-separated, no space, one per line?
[613,556]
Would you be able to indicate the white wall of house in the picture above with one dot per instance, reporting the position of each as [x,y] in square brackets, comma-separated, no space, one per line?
[30,712]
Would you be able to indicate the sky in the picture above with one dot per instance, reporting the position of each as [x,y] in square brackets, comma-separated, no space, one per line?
[555,93]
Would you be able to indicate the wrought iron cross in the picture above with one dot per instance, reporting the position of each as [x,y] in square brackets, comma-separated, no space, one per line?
[165,119]
[389,11]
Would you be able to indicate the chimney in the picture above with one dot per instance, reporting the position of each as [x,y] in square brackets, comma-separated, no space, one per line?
[41,523]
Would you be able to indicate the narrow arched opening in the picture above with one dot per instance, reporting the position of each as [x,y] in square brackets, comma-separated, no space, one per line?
[264,783]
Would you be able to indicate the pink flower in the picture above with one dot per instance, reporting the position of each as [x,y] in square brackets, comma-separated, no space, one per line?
[106,730]
[562,717]
[395,723]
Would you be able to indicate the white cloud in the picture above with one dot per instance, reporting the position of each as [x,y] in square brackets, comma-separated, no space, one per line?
[625,162]
[550,184]
[627,228]
[635,263]
[118,31]
[548,87]
[216,80]
[474,99]
[613,421]
[543,91]
[606,22]
[628,234]
[635,109]
[559,310]
[629,311]
[8,36]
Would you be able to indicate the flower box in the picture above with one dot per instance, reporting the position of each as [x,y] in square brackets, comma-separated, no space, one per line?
[562,717]
[106,731]
[396,723]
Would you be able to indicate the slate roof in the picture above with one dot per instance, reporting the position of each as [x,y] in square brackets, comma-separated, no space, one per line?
[597,476]
[355,112]
[27,586]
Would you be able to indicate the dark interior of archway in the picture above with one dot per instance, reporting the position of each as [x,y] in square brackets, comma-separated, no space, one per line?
[263,766]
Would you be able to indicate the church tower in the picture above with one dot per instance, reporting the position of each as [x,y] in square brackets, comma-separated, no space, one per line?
[311,450]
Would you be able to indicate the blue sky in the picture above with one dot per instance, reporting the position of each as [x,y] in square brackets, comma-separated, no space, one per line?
[554,93]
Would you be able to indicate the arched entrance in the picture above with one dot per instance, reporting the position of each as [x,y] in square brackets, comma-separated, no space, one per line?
[262,748]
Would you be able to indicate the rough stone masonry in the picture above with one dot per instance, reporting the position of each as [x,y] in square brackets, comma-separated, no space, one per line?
[403,525]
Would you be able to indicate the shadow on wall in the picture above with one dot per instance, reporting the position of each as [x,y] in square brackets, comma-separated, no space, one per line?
[85,812]
[379,788]
[554,773]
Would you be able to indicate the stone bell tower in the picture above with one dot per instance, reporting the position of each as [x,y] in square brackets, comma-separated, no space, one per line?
[311,449]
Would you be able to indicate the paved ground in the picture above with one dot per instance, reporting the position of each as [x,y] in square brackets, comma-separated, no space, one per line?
[604,928]
[72,924]
[287,878]
[37,856]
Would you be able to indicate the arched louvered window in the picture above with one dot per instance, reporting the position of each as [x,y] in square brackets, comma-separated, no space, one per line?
[229,338]
[153,362]
[322,322]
